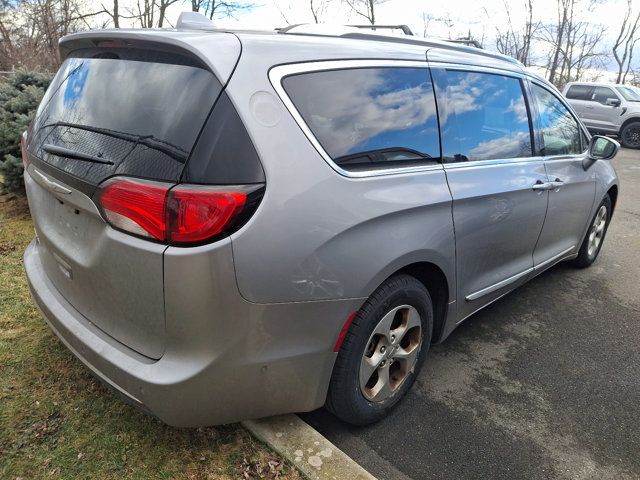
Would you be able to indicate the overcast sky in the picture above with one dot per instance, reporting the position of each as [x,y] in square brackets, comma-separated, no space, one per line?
[481,17]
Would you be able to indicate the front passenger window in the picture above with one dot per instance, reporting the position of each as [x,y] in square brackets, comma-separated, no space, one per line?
[560,131]
[602,94]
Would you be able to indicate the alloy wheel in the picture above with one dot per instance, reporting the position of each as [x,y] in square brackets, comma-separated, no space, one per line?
[391,353]
[596,233]
[631,136]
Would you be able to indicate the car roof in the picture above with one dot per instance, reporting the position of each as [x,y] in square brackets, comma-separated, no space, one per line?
[379,45]
[328,42]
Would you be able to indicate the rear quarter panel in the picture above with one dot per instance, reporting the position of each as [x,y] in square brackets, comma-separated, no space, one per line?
[319,235]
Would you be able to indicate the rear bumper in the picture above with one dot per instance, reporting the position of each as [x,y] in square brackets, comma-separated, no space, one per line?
[263,360]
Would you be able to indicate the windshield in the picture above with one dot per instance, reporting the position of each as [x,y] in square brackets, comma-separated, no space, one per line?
[140,112]
[630,94]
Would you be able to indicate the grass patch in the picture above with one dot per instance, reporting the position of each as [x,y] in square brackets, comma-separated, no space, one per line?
[57,421]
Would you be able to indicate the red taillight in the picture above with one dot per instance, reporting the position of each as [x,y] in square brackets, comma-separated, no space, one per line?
[196,214]
[178,215]
[137,206]
[23,150]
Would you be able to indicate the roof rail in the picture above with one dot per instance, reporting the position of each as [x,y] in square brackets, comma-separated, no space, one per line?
[468,41]
[405,28]
[460,46]
[354,32]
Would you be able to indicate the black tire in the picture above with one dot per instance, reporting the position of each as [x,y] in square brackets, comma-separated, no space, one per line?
[630,135]
[585,257]
[345,398]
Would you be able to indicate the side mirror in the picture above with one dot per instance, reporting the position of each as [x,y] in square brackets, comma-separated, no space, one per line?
[602,148]
[613,102]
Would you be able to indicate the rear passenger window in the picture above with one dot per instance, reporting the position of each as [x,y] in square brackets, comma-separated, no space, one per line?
[483,116]
[579,92]
[369,118]
[560,131]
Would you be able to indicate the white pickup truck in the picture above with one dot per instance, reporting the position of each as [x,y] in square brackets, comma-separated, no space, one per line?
[607,108]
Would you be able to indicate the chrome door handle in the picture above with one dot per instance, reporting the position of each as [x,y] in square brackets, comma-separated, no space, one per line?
[556,184]
[543,186]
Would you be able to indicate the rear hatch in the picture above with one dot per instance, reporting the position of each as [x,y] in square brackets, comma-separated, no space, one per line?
[114,108]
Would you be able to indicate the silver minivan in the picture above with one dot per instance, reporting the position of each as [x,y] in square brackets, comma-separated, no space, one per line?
[231,225]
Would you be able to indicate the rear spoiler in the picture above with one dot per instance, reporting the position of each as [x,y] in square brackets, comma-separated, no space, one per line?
[219,51]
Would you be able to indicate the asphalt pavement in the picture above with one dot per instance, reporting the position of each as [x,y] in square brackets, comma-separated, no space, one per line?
[543,384]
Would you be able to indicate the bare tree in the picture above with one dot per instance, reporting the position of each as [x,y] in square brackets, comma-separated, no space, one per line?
[114,13]
[145,12]
[516,42]
[625,42]
[560,28]
[365,8]
[318,9]
[427,18]
[30,30]
[220,8]
[581,53]
[573,43]
[162,10]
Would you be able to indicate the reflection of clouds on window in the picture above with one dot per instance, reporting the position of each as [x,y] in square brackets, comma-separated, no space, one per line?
[461,97]
[358,110]
[483,116]
[502,147]
[519,109]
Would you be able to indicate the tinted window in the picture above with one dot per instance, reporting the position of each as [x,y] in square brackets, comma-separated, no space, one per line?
[579,92]
[560,131]
[482,116]
[369,117]
[143,116]
[602,94]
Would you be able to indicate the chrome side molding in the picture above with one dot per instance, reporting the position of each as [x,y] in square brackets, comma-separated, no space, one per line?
[517,276]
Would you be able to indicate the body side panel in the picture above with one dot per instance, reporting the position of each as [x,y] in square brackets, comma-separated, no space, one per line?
[329,236]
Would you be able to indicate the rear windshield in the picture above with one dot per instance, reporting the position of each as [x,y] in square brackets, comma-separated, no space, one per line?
[133,112]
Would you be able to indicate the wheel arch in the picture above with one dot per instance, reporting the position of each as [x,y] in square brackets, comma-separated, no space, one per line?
[627,122]
[613,194]
[435,281]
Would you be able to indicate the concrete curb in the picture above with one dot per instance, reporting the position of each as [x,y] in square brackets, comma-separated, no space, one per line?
[315,456]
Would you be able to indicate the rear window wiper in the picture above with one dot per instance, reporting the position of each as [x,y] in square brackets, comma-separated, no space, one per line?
[149,141]
[72,154]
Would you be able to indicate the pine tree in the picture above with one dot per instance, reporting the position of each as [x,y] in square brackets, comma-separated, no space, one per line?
[20,95]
